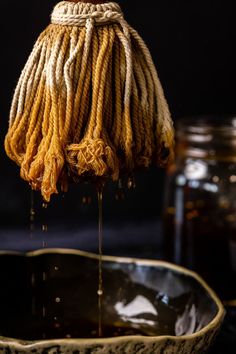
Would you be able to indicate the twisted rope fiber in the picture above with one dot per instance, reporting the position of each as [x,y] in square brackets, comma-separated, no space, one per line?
[88,103]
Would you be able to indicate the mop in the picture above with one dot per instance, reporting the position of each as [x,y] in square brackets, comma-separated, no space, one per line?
[89,103]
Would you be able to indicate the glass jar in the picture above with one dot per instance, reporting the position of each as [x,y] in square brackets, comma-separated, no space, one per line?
[200,202]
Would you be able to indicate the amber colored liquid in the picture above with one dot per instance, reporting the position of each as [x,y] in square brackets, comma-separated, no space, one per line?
[78,330]
[32,214]
[54,295]
[100,239]
[99,330]
[206,244]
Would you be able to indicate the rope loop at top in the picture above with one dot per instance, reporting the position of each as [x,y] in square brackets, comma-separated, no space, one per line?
[68,13]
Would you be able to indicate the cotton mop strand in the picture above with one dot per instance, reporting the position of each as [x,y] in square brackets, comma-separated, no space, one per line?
[88,102]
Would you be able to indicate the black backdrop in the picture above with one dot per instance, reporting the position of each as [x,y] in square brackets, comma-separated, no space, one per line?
[192,43]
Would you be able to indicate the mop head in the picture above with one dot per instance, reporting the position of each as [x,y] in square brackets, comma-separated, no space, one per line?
[88,102]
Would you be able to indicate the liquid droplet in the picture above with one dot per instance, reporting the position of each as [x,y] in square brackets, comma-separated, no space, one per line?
[120,184]
[44,244]
[33,279]
[120,195]
[44,221]
[44,311]
[32,214]
[86,200]
[131,183]
[45,228]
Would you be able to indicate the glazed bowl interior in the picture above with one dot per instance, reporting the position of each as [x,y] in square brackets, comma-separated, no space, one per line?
[52,294]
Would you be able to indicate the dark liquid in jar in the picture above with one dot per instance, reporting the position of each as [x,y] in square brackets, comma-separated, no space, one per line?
[205,242]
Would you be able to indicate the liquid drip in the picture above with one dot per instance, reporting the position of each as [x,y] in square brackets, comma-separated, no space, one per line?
[131,183]
[44,221]
[44,228]
[120,193]
[100,241]
[32,230]
[32,215]
[86,200]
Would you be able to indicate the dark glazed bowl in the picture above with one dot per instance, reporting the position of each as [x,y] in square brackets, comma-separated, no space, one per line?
[48,302]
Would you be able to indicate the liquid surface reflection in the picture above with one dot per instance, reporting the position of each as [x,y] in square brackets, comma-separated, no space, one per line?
[61,301]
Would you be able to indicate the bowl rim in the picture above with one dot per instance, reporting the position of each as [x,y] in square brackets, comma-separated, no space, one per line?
[215,322]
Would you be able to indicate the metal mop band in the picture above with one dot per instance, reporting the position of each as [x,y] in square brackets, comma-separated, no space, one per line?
[88,102]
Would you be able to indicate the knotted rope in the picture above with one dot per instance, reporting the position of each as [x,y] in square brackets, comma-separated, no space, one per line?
[77,14]
[88,102]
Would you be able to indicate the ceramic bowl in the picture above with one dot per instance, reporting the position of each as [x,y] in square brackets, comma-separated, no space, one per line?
[49,303]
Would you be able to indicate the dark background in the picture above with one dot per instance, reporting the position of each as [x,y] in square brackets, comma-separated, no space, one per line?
[192,43]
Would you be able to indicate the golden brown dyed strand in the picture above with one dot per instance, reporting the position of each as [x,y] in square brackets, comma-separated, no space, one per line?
[88,102]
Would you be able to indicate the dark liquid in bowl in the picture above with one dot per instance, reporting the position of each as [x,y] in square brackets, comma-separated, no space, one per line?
[77,330]
[50,295]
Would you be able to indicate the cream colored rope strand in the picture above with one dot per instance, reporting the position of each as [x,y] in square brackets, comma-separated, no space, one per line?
[165,129]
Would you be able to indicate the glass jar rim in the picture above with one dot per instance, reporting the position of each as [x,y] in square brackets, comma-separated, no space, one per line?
[224,125]
[207,137]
